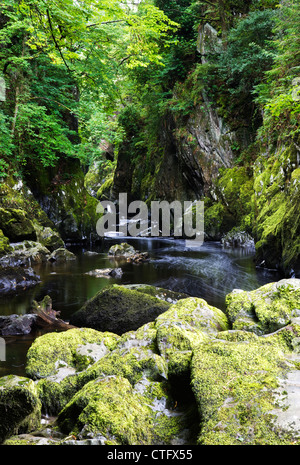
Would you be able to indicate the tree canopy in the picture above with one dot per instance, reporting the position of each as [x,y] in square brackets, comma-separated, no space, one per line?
[62,62]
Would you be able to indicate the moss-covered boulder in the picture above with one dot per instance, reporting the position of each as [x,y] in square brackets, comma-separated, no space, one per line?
[61,255]
[16,225]
[126,397]
[266,309]
[134,357]
[20,407]
[112,411]
[5,246]
[27,253]
[56,361]
[118,309]
[122,250]
[59,354]
[72,362]
[183,327]
[236,380]
[49,238]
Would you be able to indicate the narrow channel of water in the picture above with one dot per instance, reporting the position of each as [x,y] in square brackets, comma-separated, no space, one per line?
[209,272]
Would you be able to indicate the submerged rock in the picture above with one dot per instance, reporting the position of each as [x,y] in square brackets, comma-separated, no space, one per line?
[118,309]
[106,272]
[15,325]
[17,278]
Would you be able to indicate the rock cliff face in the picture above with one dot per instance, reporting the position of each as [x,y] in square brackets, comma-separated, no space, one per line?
[63,197]
[189,163]
[191,149]
[39,215]
[276,203]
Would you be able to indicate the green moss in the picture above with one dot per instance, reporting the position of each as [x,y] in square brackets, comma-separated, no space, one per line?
[49,238]
[110,407]
[53,351]
[235,188]
[16,225]
[17,442]
[277,207]
[15,195]
[20,407]
[233,383]
[183,327]
[217,220]
[104,192]
[5,247]
[269,308]
[119,309]
[134,357]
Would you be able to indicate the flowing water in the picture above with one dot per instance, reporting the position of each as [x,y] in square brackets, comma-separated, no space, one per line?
[209,272]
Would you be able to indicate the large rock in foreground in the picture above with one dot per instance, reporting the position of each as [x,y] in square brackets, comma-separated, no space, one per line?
[183,327]
[20,407]
[118,309]
[184,378]
[242,387]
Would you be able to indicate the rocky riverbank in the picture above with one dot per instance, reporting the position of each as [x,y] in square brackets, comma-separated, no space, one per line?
[192,374]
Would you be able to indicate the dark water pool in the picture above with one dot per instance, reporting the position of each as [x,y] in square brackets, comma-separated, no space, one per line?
[209,272]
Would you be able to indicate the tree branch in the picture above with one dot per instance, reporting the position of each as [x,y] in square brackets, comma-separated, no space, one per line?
[55,41]
[108,22]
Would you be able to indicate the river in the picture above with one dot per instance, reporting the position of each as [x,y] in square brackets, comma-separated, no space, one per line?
[209,271]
